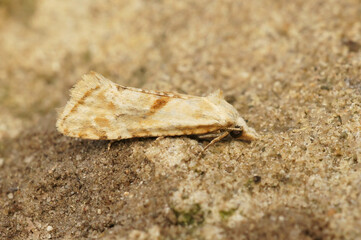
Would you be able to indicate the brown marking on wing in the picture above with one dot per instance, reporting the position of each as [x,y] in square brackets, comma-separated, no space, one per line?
[66,131]
[101,96]
[158,104]
[111,106]
[198,113]
[140,133]
[100,133]
[102,122]
[87,94]
[84,133]
[103,137]
[81,101]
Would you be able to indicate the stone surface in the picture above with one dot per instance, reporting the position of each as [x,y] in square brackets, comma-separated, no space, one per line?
[292,69]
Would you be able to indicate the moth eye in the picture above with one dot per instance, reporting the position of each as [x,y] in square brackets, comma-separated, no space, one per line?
[236,133]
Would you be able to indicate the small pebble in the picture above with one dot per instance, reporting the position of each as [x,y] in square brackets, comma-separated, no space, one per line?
[28,159]
[49,228]
[1,162]
[10,195]
[277,87]
[257,179]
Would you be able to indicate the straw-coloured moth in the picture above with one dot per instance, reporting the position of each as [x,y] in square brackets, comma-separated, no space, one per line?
[101,109]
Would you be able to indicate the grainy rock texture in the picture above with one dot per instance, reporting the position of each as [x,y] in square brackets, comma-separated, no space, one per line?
[291,68]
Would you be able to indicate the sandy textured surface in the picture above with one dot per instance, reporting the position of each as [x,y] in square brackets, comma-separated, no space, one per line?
[291,68]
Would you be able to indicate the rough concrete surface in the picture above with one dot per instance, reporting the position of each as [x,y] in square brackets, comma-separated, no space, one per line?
[291,68]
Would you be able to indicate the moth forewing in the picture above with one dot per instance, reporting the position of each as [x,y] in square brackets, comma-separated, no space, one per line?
[101,109]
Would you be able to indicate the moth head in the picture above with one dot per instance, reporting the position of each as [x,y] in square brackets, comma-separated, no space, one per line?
[243,132]
[237,134]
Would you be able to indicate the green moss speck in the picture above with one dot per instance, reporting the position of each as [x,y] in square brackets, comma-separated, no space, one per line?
[193,216]
[225,214]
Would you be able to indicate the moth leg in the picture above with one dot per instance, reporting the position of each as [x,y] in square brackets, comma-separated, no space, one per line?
[110,144]
[207,136]
[159,138]
[217,139]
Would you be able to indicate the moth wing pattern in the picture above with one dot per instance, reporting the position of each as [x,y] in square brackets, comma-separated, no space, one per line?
[101,109]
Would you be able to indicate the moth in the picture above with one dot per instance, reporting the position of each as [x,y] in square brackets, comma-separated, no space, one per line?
[101,109]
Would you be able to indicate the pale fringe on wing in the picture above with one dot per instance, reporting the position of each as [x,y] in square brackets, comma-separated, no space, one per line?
[88,81]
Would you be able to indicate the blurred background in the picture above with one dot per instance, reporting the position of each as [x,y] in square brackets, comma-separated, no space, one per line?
[291,68]
[191,47]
